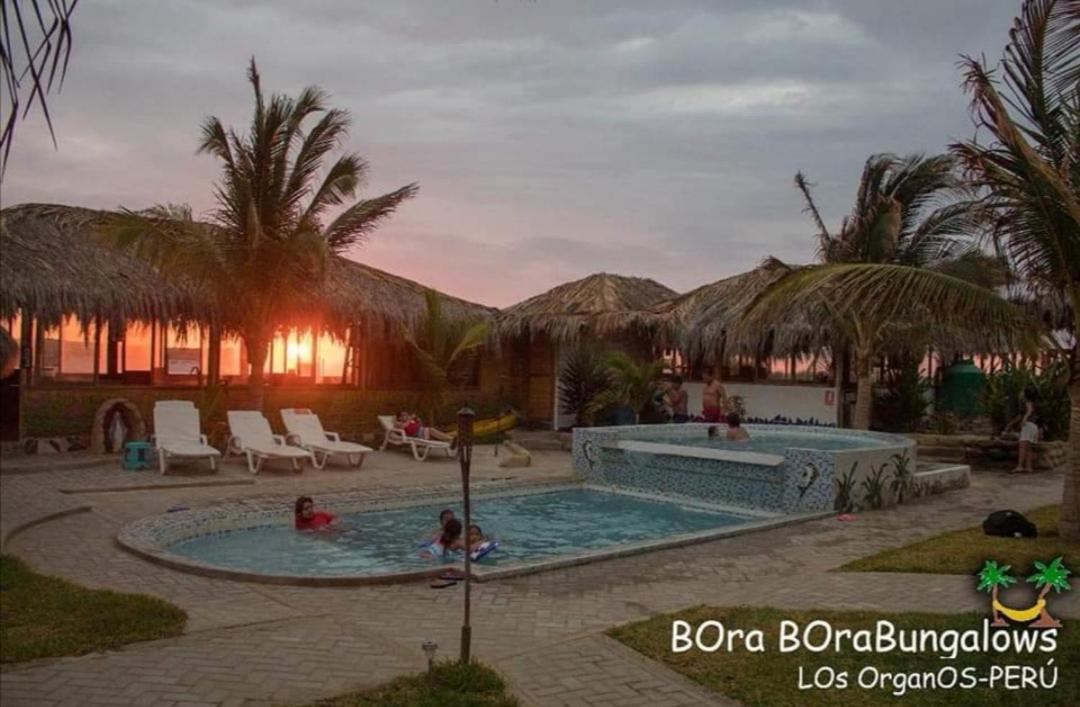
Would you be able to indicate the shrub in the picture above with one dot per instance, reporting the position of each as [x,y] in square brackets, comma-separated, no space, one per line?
[584,378]
[1003,397]
[903,406]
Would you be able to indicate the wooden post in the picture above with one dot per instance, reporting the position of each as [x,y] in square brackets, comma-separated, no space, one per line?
[39,349]
[112,347]
[348,354]
[26,349]
[153,348]
[97,349]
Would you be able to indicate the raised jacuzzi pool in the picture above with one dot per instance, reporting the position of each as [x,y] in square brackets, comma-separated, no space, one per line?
[781,469]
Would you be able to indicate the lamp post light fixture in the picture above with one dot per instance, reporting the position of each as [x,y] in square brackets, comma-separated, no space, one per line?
[466,418]
[430,647]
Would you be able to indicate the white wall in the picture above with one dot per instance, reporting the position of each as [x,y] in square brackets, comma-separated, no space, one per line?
[766,401]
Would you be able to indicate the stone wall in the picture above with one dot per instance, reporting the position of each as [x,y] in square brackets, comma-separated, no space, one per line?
[983,451]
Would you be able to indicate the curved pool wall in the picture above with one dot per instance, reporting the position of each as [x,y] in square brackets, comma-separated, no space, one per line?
[153,537]
[649,459]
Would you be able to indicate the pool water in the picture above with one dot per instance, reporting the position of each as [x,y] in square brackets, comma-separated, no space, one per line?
[528,526]
[776,443]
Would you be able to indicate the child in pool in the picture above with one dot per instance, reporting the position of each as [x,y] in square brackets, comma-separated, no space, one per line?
[307,518]
[449,540]
[475,537]
[445,517]
[735,432]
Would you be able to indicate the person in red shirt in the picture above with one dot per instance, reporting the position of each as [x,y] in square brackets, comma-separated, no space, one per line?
[307,518]
[413,426]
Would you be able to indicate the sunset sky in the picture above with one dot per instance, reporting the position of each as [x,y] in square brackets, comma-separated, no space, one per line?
[551,139]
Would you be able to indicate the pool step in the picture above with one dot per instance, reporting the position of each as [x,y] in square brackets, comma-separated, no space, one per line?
[931,479]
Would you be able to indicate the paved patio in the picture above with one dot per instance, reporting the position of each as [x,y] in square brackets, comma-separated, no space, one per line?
[257,644]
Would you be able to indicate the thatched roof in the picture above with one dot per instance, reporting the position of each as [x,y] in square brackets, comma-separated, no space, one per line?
[52,265]
[598,305]
[358,292]
[709,316]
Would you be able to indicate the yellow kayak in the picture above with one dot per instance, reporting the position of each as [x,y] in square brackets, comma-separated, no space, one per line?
[490,426]
[1020,615]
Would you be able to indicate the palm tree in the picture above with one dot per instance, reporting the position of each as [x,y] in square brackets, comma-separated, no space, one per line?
[886,272]
[991,579]
[441,350]
[1028,168]
[1053,576]
[268,239]
[632,384]
[582,381]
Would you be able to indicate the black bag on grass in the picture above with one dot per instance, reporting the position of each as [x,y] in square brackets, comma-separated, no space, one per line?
[1009,524]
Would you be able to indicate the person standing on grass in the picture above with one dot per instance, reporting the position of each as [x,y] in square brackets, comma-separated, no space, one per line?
[1028,423]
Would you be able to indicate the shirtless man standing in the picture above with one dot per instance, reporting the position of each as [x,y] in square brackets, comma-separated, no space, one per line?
[713,398]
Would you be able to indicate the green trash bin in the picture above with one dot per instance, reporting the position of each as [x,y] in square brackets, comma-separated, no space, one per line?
[962,389]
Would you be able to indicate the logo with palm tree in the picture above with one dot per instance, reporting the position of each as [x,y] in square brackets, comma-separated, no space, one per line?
[994,577]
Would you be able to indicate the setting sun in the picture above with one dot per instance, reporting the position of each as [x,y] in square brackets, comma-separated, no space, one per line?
[298,351]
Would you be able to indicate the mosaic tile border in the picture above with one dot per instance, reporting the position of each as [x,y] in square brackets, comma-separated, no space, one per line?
[807,481]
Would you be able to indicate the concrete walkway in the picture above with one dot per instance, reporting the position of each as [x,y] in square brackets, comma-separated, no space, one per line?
[252,644]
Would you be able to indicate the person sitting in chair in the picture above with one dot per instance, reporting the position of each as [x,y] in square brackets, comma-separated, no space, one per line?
[413,426]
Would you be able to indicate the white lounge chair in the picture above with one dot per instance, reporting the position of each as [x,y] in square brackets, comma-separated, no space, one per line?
[176,435]
[420,447]
[252,437]
[305,429]
[190,404]
[174,403]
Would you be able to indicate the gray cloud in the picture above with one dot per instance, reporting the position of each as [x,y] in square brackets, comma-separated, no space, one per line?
[551,139]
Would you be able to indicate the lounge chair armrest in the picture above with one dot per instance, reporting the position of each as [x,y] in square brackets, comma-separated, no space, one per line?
[293,438]
[279,440]
[333,436]
[204,439]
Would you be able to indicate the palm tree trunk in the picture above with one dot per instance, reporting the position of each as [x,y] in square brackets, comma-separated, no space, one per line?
[213,356]
[256,348]
[1069,527]
[864,390]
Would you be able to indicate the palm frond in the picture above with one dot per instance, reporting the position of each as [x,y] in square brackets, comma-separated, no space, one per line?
[43,47]
[879,294]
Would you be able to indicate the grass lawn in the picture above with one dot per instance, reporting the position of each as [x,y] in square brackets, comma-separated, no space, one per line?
[451,685]
[964,551]
[771,678]
[48,617]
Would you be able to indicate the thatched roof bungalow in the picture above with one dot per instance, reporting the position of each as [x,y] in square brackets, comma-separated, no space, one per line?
[53,266]
[599,308]
[708,324]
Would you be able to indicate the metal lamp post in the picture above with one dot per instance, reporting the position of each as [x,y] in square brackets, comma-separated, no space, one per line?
[466,417]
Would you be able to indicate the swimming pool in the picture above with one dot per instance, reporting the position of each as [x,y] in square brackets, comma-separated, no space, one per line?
[540,526]
[529,527]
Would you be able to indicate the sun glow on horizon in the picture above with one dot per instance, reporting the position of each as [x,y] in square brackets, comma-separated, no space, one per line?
[299,351]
